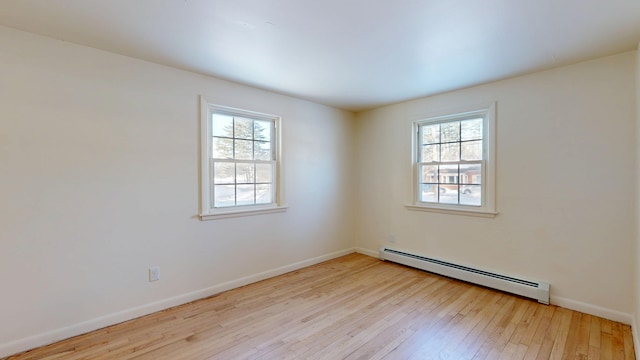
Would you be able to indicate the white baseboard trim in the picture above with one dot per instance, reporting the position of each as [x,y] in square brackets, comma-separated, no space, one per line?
[592,310]
[52,336]
[364,251]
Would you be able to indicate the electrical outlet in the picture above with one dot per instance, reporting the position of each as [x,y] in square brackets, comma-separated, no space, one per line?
[154,273]
[392,238]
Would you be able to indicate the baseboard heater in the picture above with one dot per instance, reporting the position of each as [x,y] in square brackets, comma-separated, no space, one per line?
[531,289]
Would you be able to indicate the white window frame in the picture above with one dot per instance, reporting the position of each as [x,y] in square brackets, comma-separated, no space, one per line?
[208,211]
[488,205]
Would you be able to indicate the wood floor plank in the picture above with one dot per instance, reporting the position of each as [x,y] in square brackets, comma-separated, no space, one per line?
[563,334]
[482,330]
[617,341]
[606,351]
[395,334]
[570,346]
[594,339]
[494,344]
[582,341]
[628,343]
[548,342]
[354,307]
[535,343]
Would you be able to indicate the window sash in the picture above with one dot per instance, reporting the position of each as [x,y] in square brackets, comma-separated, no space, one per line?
[271,141]
[459,183]
[235,183]
[418,148]
[213,160]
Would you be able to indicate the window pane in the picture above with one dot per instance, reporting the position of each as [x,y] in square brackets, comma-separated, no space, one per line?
[222,125]
[448,194]
[244,173]
[222,148]
[243,128]
[262,130]
[450,131]
[245,194]
[243,149]
[224,173]
[224,195]
[431,153]
[429,174]
[264,173]
[471,150]
[431,134]
[428,193]
[471,129]
[263,194]
[448,174]
[470,174]
[450,152]
[471,195]
[262,150]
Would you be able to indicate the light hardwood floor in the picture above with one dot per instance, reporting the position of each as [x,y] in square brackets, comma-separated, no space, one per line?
[355,307]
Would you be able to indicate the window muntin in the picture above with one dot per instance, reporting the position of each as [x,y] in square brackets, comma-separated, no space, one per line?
[454,162]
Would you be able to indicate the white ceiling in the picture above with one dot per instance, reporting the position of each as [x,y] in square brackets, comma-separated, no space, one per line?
[351,54]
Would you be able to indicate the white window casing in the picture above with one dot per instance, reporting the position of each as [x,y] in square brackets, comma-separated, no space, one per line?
[451,191]
[240,166]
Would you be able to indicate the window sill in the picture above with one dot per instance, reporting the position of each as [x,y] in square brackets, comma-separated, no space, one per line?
[232,213]
[477,213]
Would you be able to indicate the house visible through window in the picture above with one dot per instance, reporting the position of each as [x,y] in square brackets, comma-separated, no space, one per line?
[454,161]
[240,160]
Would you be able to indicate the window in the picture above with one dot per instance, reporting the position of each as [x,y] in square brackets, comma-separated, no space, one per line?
[240,162]
[454,161]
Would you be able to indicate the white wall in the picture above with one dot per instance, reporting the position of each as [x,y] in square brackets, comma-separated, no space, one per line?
[99,179]
[565,184]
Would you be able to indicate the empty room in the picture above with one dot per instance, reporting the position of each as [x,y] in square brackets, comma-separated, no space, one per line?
[280,179]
